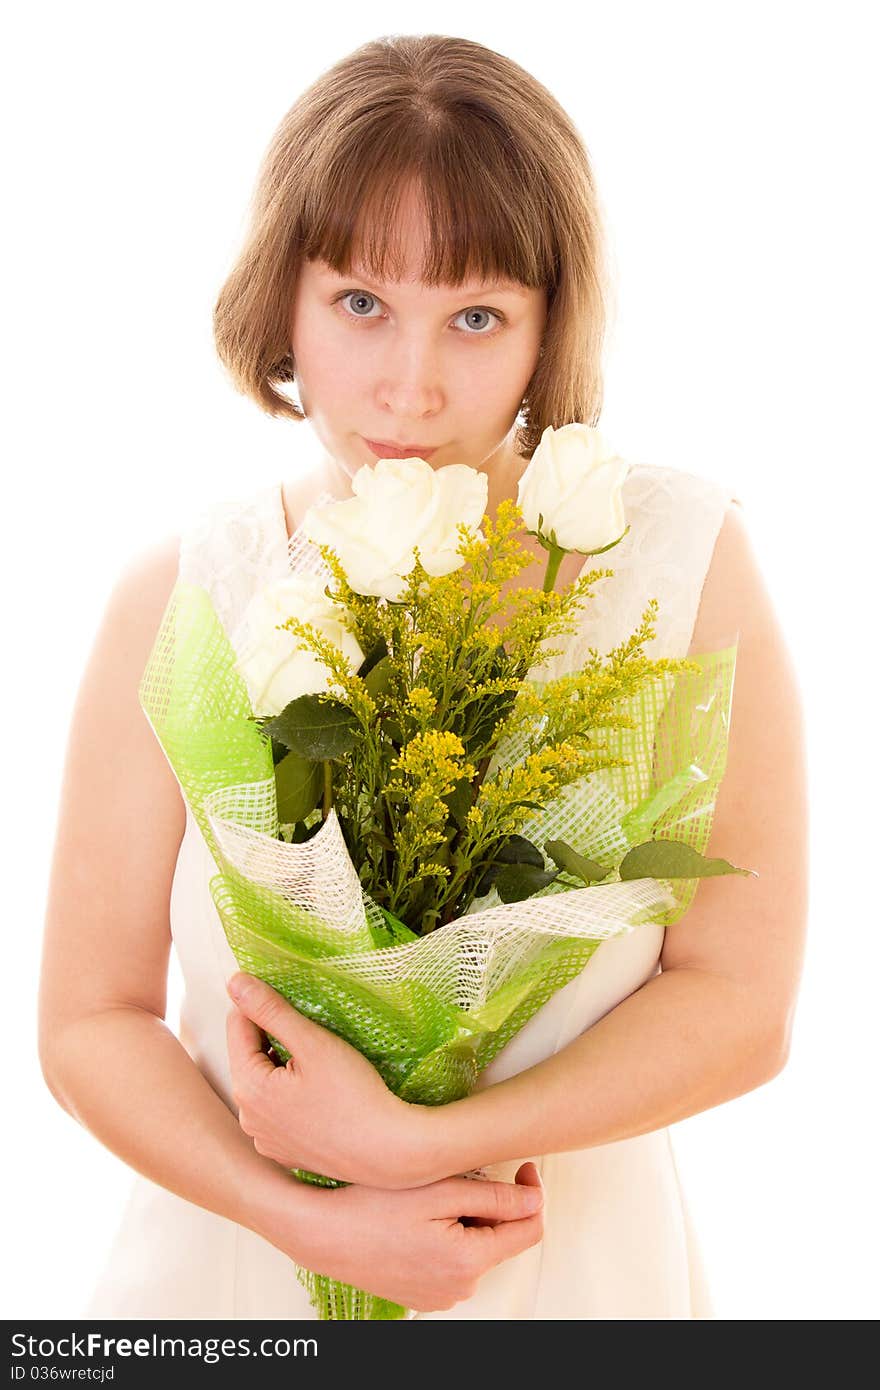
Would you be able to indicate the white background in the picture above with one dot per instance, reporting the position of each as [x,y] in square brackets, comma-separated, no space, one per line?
[734,154]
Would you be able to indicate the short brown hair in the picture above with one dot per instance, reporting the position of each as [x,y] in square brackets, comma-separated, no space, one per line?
[508,190]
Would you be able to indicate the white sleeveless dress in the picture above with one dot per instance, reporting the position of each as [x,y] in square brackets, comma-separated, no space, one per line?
[618,1239]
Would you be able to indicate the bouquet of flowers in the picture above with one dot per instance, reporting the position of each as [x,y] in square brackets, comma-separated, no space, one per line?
[381,780]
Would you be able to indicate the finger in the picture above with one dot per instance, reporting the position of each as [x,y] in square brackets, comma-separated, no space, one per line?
[527,1175]
[244,1044]
[507,1238]
[266,1007]
[495,1201]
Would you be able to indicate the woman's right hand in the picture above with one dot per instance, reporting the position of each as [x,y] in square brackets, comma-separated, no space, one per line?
[411,1245]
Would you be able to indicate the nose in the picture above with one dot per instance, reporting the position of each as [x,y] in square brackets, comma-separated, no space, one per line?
[409,385]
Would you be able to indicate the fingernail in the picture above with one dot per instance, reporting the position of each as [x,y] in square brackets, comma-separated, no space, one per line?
[236,986]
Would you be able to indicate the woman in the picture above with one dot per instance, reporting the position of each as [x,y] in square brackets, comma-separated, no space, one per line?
[424,194]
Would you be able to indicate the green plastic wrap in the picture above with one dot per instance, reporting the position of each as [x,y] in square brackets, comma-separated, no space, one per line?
[430,1012]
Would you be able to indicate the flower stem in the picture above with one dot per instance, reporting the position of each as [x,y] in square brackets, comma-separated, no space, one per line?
[554,559]
[328,789]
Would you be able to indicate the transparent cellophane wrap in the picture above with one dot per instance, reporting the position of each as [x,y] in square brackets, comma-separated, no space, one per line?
[429,1012]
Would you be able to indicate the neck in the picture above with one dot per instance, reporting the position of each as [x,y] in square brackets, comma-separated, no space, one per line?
[504,468]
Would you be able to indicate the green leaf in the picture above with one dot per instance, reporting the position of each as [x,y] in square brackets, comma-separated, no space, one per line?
[373,658]
[380,838]
[484,883]
[518,881]
[516,849]
[298,786]
[278,752]
[459,801]
[393,731]
[486,714]
[315,728]
[303,832]
[567,858]
[672,859]
[378,676]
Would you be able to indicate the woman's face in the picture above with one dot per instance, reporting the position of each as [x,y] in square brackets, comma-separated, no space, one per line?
[406,364]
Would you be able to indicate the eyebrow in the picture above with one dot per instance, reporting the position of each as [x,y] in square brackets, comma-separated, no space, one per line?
[502,287]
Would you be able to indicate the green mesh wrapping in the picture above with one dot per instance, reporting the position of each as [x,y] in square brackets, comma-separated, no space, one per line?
[430,1012]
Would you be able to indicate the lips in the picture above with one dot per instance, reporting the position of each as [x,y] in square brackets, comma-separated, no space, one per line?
[391,451]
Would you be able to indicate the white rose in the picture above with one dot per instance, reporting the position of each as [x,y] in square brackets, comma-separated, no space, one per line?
[274,667]
[399,504]
[573,482]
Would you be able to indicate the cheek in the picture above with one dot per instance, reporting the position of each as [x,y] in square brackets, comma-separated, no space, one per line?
[497,379]
[321,361]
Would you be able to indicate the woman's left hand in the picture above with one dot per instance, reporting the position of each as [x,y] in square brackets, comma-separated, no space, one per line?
[328,1109]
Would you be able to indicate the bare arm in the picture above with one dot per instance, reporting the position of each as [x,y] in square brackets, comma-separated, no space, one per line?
[106,1054]
[127,1079]
[113,1064]
[148,1102]
[680,1044]
[717,1021]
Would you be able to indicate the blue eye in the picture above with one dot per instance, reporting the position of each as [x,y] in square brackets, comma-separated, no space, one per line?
[487,315]
[363,301]
[360,296]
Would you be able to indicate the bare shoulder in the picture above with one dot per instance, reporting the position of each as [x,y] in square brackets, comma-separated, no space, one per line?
[752,929]
[126,633]
[147,580]
[121,818]
[734,590]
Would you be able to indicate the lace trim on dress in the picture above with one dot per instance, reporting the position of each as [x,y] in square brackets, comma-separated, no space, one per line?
[236,546]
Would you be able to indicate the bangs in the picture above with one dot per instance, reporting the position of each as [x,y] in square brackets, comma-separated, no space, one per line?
[427,158]
[481,217]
